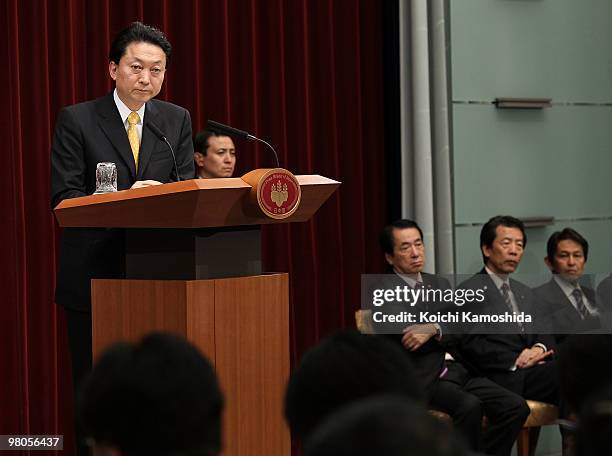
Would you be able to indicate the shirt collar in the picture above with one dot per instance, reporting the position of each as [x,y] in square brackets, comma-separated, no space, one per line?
[565,286]
[124,111]
[410,280]
[497,279]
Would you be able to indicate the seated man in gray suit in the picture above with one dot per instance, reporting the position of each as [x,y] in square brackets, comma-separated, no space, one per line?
[566,304]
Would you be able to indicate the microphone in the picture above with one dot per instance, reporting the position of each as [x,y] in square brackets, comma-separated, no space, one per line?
[155,129]
[231,131]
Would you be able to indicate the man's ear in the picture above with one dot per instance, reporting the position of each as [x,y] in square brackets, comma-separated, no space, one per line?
[486,251]
[549,264]
[389,259]
[199,158]
[112,70]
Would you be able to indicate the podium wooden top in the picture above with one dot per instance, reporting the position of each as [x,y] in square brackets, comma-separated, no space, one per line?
[195,203]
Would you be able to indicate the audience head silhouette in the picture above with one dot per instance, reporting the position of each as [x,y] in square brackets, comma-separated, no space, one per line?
[156,397]
[343,368]
[387,425]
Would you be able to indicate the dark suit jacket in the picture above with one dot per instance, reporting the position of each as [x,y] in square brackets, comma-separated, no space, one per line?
[85,135]
[429,358]
[556,308]
[604,294]
[487,354]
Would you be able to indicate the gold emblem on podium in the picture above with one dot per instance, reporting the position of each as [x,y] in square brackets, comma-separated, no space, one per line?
[279,193]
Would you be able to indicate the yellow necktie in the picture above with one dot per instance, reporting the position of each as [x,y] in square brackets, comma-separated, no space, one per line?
[132,132]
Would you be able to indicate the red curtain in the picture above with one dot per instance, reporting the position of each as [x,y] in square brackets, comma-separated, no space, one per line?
[305,75]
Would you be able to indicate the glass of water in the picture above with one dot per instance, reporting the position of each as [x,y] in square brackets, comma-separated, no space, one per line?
[106,178]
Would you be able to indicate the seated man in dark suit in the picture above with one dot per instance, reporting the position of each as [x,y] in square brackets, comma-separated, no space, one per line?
[450,387]
[514,357]
[568,306]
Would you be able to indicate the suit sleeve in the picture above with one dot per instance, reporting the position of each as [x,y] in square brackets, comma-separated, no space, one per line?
[487,352]
[541,329]
[451,332]
[184,150]
[480,351]
[604,294]
[67,159]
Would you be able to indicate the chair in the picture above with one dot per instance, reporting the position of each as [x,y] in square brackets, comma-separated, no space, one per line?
[541,414]
[363,319]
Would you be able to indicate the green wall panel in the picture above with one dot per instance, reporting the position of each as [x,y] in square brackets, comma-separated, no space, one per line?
[552,162]
[552,48]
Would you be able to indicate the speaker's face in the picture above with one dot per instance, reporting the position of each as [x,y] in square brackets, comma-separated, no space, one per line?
[139,75]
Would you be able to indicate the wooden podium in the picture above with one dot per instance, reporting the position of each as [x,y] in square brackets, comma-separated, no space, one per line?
[193,267]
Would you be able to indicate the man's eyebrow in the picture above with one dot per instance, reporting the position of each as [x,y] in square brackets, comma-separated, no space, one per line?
[156,62]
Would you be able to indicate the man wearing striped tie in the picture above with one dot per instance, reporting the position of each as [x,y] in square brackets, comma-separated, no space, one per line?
[512,354]
[570,306]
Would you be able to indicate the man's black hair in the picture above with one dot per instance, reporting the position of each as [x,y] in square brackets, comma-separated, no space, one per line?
[343,368]
[200,143]
[157,397]
[488,233]
[564,235]
[137,32]
[386,237]
[383,425]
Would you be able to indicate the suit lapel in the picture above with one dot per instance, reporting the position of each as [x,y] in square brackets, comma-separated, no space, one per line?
[565,309]
[148,138]
[113,128]
[495,296]
[521,301]
[499,304]
[590,294]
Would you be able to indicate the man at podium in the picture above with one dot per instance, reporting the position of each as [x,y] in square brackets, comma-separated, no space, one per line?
[133,131]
